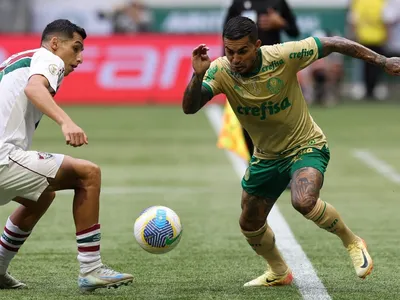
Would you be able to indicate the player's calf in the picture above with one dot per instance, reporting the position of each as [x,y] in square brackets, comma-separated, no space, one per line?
[11,241]
[257,232]
[306,185]
[29,213]
[255,210]
[85,178]
[17,229]
[305,192]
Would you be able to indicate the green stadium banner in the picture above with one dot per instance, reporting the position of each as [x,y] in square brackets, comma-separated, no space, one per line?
[203,20]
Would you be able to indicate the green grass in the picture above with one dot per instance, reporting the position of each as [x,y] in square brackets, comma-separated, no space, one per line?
[161,147]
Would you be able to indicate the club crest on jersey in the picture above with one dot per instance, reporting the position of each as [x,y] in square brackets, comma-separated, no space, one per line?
[53,69]
[275,85]
[44,155]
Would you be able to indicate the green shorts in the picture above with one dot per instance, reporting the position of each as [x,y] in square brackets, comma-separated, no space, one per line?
[269,178]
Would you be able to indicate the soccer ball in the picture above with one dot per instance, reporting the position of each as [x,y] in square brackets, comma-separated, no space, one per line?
[158,229]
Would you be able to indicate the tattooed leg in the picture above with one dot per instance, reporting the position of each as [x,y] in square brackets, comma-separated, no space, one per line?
[306,185]
[253,222]
[254,211]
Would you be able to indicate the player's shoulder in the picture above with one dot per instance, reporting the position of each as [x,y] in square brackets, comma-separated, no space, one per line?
[308,42]
[27,54]
[42,54]
[219,65]
[271,51]
[291,47]
[219,61]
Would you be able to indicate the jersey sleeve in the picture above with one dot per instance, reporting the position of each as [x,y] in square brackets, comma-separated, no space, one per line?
[48,65]
[300,54]
[212,79]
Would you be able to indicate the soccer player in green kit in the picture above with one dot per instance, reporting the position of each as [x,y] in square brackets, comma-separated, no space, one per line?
[262,88]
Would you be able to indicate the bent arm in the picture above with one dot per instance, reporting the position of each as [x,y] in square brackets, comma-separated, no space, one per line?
[195,96]
[351,48]
[38,93]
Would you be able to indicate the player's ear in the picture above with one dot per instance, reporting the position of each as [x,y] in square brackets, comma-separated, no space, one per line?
[258,44]
[54,43]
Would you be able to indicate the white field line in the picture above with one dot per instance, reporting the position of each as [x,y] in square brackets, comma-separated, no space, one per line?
[378,165]
[305,277]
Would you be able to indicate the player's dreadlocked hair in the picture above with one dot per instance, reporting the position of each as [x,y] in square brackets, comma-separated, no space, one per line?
[64,27]
[239,27]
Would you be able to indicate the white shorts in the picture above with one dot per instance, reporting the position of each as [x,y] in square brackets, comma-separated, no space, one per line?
[26,174]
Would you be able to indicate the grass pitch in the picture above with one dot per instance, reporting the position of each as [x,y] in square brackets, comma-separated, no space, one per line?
[159,156]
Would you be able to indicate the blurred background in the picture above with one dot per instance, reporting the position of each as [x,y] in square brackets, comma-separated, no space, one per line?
[138,51]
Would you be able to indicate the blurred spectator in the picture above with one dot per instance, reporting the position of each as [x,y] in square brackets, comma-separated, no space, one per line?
[131,18]
[272,17]
[15,16]
[321,82]
[367,27]
[391,16]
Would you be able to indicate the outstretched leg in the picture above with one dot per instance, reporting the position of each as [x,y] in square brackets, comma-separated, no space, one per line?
[306,185]
[85,178]
[261,238]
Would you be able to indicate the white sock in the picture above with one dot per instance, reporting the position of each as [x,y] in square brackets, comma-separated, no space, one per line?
[10,241]
[88,241]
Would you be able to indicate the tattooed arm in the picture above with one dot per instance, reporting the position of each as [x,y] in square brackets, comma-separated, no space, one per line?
[356,50]
[195,96]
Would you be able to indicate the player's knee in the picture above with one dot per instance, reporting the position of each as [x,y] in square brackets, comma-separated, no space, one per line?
[249,223]
[90,177]
[91,174]
[254,212]
[304,203]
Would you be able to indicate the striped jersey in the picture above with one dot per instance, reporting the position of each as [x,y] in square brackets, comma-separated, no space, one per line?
[18,116]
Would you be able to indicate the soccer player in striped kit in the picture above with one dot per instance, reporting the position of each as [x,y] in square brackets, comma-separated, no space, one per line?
[28,82]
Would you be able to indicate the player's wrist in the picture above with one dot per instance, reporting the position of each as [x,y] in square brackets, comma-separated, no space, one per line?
[64,120]
[381,61]
[199,75]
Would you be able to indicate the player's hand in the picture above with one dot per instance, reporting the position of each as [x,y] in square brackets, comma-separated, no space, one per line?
[271,20]
[200,60]
[74,135]
[392,66]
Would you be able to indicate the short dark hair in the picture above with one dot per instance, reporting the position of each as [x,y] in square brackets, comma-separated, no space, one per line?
[64,27]
[239,27]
